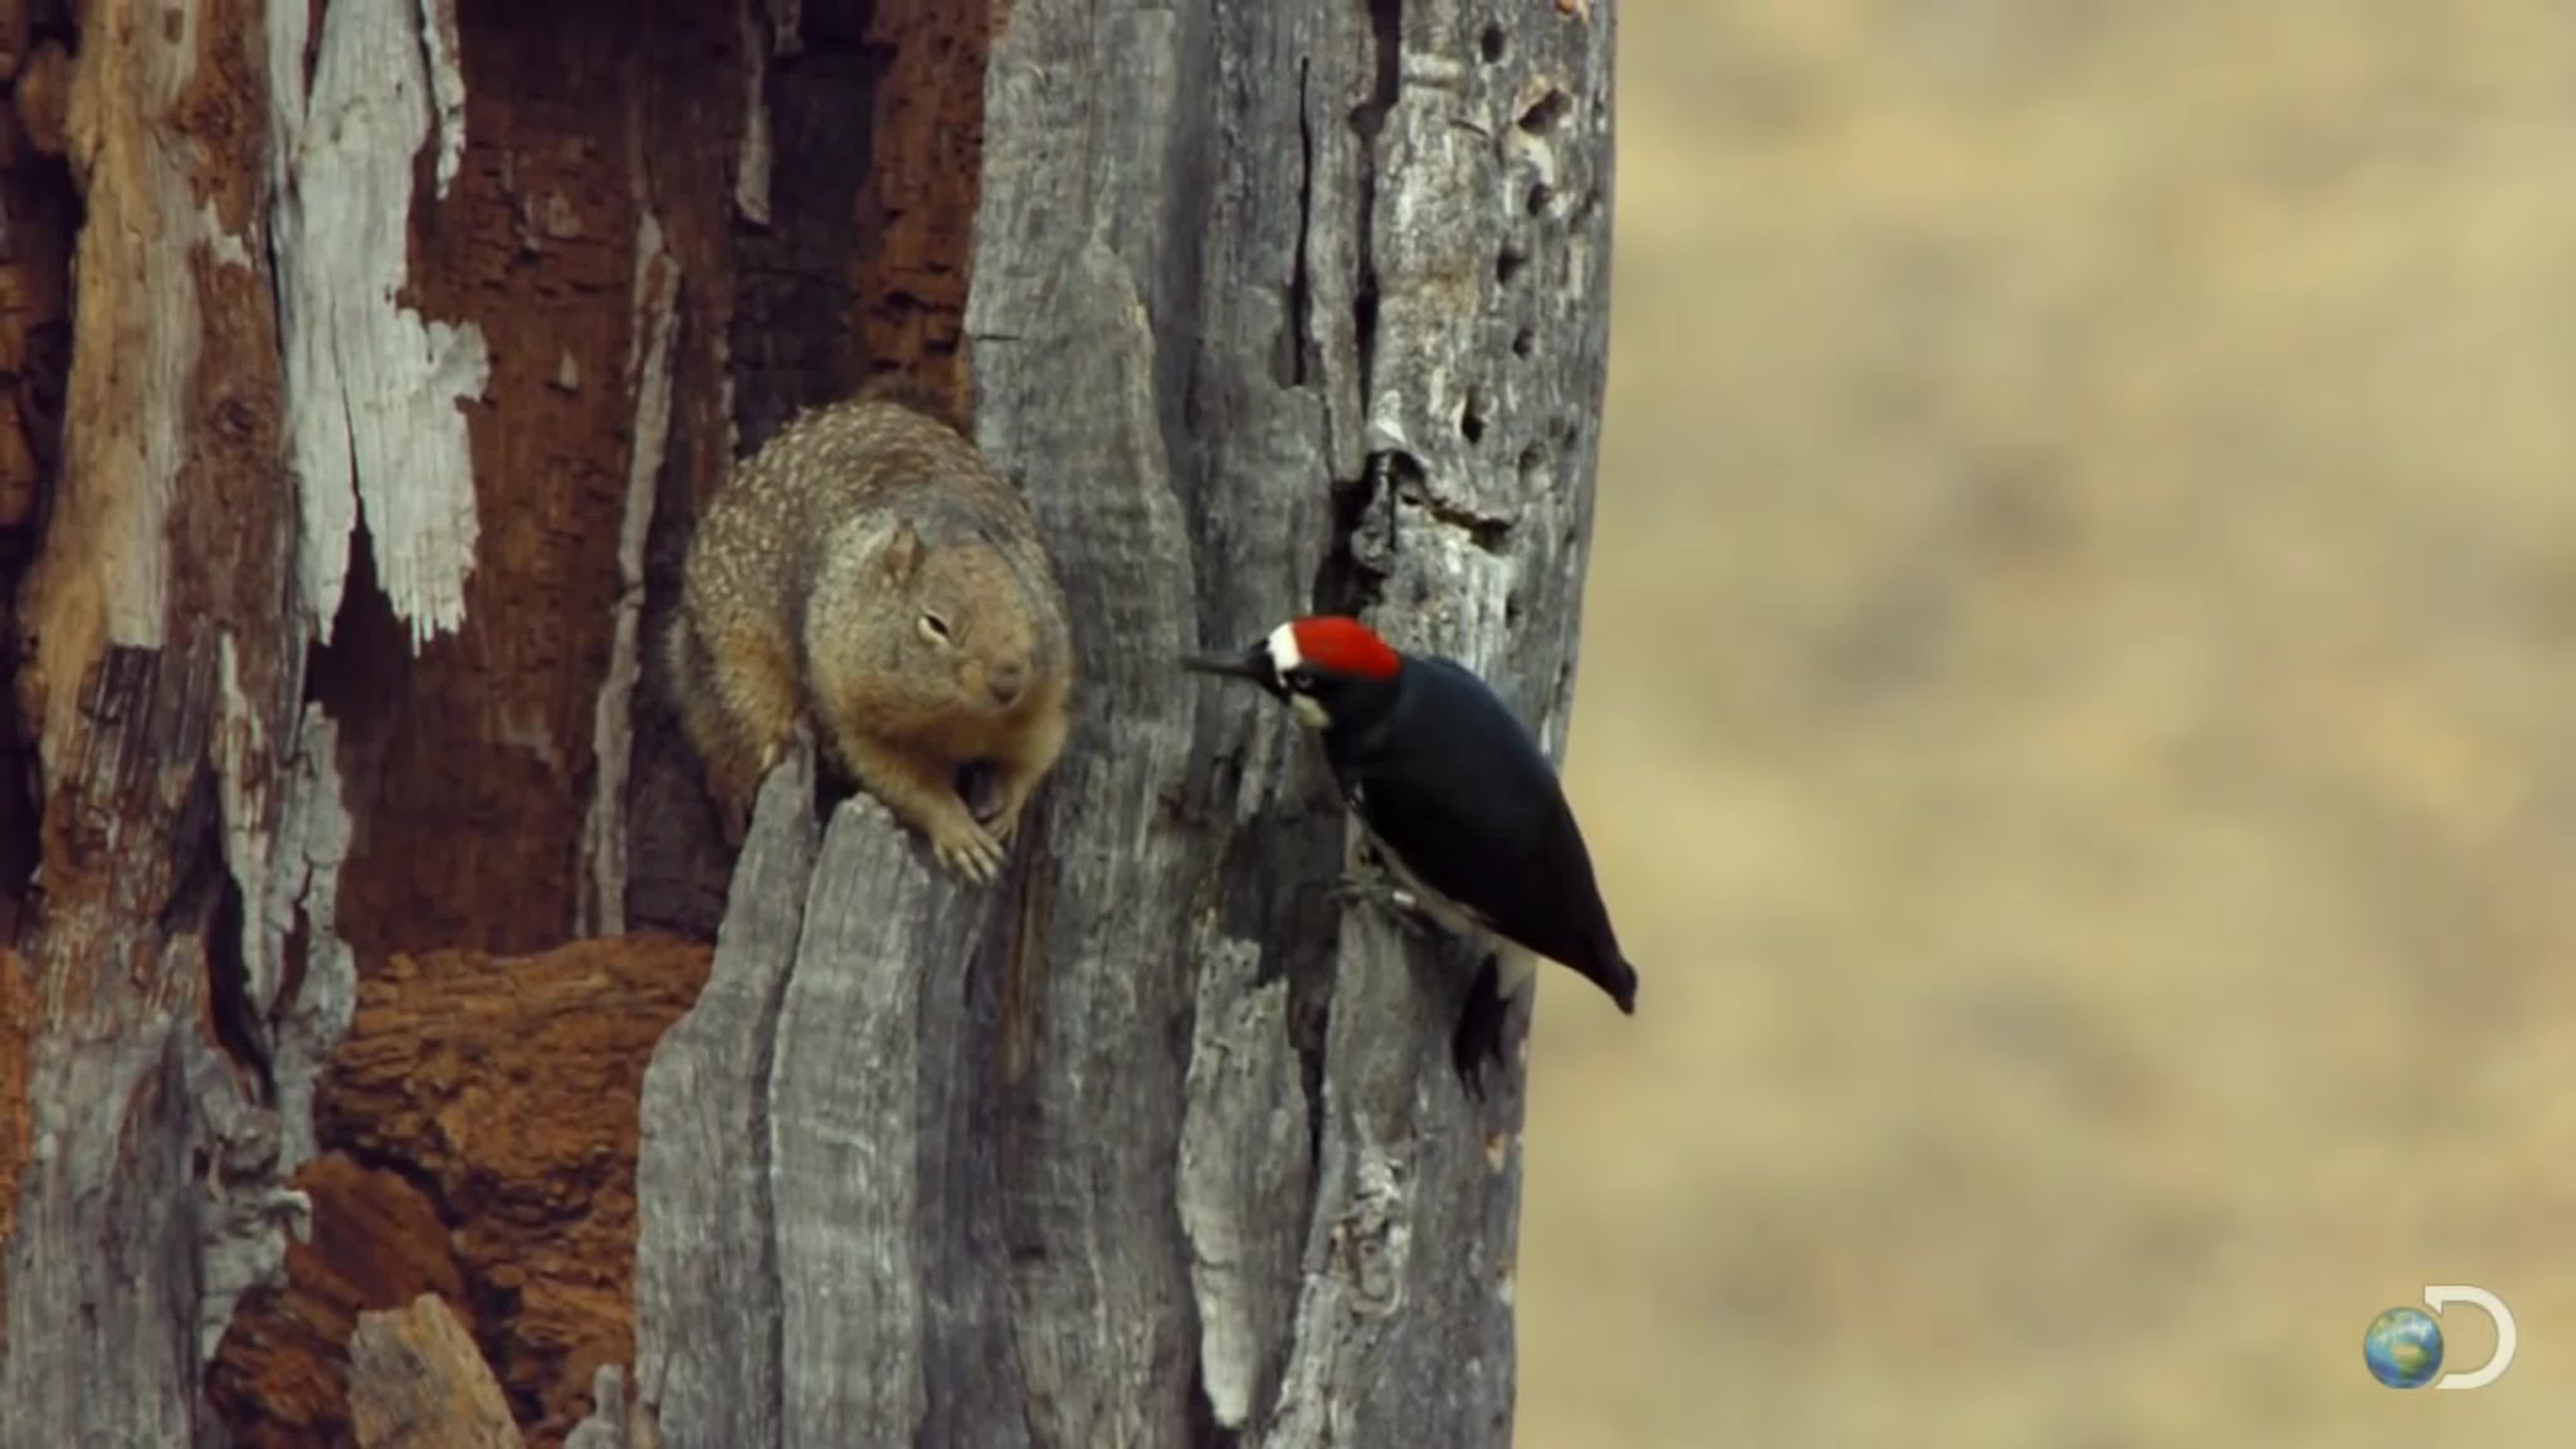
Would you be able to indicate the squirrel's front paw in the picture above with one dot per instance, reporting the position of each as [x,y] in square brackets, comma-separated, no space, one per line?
[968,849]
[1003,821]
[1007,810]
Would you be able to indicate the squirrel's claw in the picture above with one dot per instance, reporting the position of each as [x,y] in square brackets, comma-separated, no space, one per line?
[971,852]
[775,751]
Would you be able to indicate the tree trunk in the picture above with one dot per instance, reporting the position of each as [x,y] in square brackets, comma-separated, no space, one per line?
[361,872]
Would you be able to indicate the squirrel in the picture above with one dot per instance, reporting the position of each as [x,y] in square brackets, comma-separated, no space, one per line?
[867,579]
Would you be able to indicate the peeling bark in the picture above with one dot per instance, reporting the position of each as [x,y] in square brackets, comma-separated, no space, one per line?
[372,385]
[648,375]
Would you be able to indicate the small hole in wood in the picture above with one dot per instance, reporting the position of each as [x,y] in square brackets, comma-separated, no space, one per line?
[1524,342]
[1533,467]
[1492,43]
[1546,112]
[1508,265]
[1471,421]
[1540,194]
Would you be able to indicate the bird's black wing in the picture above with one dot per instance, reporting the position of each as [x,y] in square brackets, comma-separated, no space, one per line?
[1482,843]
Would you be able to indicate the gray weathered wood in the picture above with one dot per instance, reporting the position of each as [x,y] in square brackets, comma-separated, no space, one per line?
[1275,307]
[707,1292]
[879,1184]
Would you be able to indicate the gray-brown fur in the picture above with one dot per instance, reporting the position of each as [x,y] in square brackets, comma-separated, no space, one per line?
[866,575]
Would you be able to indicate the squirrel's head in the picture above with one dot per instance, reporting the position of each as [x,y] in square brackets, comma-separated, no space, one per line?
[970,616]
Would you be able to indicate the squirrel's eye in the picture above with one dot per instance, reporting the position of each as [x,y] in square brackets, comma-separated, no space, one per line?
[934,628]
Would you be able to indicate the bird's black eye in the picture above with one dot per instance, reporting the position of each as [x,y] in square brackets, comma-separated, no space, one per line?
[1300,679]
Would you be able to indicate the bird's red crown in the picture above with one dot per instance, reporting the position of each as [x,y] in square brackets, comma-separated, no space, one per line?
[1344,645]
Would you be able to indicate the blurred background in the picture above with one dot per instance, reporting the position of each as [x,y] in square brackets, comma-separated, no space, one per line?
[2077,722]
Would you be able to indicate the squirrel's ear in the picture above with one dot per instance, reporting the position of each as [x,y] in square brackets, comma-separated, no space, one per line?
[902,552]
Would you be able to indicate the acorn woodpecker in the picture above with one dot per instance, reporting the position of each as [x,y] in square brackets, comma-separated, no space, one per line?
[1458,799]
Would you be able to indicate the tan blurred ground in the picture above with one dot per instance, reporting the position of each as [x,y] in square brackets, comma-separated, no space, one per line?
[2077,719]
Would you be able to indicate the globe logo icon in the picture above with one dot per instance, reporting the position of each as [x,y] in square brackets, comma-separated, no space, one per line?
[2403,1348]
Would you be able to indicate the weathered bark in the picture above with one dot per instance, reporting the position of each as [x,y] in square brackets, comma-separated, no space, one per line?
[409,335]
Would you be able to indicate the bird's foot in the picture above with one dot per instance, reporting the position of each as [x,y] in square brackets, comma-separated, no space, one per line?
[1370,886]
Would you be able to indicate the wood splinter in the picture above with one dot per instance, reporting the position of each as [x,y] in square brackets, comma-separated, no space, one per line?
[416,1381]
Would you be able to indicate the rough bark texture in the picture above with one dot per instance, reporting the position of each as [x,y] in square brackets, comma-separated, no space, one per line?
[409,336]
[478,1126]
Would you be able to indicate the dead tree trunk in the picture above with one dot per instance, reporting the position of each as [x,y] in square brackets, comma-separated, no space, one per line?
[408,335]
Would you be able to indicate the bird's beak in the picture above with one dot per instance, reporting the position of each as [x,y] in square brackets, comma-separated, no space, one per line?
[1252,665]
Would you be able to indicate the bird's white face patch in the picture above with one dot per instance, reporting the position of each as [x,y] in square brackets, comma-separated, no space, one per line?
[1283,649]
[1285,657]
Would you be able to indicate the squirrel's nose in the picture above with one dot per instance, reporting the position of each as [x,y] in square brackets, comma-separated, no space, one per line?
[1006,681]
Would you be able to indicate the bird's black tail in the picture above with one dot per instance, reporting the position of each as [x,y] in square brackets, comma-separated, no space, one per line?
[1477,1040]
[1617,979]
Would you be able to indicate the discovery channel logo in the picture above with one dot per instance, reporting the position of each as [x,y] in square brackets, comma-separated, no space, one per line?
[2404,1345]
